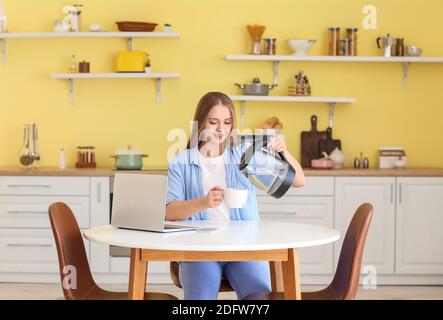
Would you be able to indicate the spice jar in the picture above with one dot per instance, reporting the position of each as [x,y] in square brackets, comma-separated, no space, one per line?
[83,67]
[351,34]
[333,41]
[400,47]
[344,47]
[269,47]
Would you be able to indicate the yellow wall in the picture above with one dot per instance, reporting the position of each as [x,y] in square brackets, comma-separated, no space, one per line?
[113,113]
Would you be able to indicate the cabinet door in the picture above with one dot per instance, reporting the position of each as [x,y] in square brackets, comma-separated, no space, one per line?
[308,210]
[419,226]
[350,193]
[29,251]
[32,211]
[100,215]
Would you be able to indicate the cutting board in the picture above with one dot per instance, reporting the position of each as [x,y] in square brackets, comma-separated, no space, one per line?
[310,143]
[329,144]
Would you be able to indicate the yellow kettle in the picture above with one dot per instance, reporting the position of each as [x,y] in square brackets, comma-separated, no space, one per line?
[131,61]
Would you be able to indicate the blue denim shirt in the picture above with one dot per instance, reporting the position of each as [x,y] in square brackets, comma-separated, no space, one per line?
[185,182]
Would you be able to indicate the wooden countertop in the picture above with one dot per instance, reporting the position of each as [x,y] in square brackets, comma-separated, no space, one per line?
[109,172]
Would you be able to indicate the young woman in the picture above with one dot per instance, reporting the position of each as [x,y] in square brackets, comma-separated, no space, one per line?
[196,180]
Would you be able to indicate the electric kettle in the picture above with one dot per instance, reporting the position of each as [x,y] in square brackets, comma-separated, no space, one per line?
[268,171]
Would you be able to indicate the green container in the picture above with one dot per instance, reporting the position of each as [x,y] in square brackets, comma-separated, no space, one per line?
[129,161]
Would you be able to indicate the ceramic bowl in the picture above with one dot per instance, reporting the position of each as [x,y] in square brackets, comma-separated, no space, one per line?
[413,51]
[301,46]
[323,163]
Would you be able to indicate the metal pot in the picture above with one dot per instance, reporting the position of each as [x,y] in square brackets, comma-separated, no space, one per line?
[256,88]
[129,159]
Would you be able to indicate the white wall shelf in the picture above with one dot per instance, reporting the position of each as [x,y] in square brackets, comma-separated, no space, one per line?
[276,59]
[331,101]
[77,76]
[76,35]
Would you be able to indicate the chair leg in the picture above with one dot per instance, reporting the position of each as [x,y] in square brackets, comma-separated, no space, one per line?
[137,276]
[291,276]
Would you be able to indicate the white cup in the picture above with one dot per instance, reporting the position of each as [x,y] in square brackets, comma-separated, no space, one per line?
[235,198]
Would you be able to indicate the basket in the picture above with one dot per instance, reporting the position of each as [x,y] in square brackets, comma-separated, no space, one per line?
[136,26]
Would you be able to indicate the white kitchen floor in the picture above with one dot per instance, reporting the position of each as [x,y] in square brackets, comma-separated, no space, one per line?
[12,291]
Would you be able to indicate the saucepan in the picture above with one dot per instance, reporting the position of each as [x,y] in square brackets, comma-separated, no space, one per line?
[256,88]
[129,159]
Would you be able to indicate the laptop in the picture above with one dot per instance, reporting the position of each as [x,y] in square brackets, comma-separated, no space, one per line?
[139,203]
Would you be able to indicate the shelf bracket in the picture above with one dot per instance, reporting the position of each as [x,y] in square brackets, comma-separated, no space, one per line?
[405,74]
[276,63]
[331,114]
[243,113]
[130,44]
[3,50]
[159,90]
[71,91]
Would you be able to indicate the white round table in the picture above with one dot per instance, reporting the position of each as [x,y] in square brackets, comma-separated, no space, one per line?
[276,242]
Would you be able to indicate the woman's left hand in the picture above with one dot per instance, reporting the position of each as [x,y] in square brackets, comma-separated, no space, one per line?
[277,144]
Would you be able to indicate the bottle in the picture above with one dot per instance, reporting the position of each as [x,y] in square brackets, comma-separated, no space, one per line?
[73,68]
[61,161]
[357,164]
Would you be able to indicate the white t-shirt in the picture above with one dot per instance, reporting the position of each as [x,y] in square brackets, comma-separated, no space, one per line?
[214,174]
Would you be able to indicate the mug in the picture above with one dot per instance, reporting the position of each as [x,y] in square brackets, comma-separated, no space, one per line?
[235,198]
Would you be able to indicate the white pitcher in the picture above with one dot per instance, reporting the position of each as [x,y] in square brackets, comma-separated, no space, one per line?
[339,158]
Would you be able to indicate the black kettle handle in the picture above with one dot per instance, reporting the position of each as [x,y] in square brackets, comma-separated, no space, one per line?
[281,154]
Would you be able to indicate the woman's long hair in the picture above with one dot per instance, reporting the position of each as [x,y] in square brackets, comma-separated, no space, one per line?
[206,103]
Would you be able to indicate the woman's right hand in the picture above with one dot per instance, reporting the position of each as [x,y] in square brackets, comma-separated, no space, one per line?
[214,198]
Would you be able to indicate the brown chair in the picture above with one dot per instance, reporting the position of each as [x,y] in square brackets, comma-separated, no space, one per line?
[173,267]
[71,254]
[344,286]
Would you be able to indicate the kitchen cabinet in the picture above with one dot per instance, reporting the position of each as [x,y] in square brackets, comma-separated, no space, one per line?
[403,244]
[351,192]
[308,210]
[27,248]
[419,226]
[311,205]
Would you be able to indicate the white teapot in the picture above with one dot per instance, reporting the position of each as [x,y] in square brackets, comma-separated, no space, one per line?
[339,158]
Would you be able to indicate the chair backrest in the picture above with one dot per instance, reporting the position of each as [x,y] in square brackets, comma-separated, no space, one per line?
[76,277]
[347,276]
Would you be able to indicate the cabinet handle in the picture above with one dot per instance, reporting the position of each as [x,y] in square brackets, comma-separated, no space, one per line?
[26,212]
[29,186]
[99,192]
[392,193]
[399,193]
[273,212]
[31,245]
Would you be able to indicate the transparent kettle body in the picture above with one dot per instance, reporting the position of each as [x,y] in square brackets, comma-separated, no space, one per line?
[266,171]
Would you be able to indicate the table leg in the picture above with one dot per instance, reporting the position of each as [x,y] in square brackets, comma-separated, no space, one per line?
[137,276]
[291,276]
[276,276]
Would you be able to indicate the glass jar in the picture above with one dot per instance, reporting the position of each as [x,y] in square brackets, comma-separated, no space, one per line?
[351,34]
[344,47]
[58,26]
[333,41]
[269,47]
[256,47]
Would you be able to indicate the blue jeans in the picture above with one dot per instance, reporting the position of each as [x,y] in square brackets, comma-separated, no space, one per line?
[201,280]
